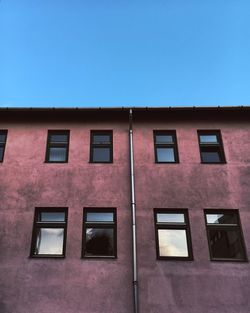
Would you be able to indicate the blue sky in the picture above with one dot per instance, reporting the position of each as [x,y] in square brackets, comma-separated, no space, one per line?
[124,52]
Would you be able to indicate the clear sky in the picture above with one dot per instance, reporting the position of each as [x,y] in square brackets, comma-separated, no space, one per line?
[124,52]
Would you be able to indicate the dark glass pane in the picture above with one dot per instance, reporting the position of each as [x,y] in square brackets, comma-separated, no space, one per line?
[51,217]
[225,218]
[226,244]
[59,138]
[49,241]
[170,218]
[208,139]
[1,153]
[2,138]
[173,242]
[99,242]
[101,155]
[100,217]
[101,139]
[57,154]
[164,139]
[165,155]
[211,155]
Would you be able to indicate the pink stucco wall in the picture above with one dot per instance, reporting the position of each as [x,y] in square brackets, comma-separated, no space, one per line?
[74,285]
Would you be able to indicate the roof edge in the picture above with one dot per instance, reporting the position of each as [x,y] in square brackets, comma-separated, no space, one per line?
[163,108]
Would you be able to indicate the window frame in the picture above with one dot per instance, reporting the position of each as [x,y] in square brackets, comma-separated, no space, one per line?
[173,145]
[177,226]
[218,145]
[93,145]
[3,144]
[225,227]
[86,224]
[55,145]
[37,224]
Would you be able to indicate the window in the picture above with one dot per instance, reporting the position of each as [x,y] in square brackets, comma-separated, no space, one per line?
[211,148]
[166,150]
[225,237]
[3,137]
[173,238]
[49,232]
[101,149]
[57,146]
[99,233]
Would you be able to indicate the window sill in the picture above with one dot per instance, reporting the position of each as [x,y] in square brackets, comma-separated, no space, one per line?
[176,162]
[55,162]
[99,257]
[175,259]
[216,163]
[109,162]
[47,256]
[230,260]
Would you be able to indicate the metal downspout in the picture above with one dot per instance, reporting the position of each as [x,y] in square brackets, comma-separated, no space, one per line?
[133,211]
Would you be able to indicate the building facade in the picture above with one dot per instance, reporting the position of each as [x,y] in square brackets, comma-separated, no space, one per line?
[65,206]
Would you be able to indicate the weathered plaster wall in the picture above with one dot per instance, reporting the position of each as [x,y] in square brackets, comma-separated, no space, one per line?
[73,285]
[70,285]
[198,286]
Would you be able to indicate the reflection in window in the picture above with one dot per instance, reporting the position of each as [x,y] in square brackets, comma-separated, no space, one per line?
[51,216]
[170,218]
[224,235]
[99,242]
[3,137]
[172,234]
[101,154]
[225,218]
[208,139]
[49,232]
[49,241]
[210,155]
[99,233]
[166,150]
[226,244]
[57,146]
[165,155]
[57,154]
[172,242]
[161,138]
[100,217]
[101,147]
[211,148]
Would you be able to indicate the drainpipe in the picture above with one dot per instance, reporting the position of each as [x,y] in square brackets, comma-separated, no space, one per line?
[133,211]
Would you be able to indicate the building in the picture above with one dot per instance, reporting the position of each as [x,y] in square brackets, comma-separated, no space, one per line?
[65,206]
